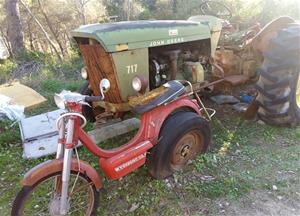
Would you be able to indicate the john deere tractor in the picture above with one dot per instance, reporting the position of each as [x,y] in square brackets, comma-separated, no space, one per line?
[137,57]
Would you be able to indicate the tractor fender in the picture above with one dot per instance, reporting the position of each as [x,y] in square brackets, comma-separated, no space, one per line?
[261,41]
[53,166]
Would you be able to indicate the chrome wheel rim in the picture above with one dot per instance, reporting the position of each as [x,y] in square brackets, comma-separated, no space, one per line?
[43,200]
[187,149]
[298,92]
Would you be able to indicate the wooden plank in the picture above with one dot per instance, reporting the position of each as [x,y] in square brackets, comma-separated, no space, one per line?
[110,131]
[99,65]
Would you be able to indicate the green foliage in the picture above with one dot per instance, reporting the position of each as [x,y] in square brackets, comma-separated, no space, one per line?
[55,86]
[115,8]
[145,15]
[33,67]
[28,55]
[279,8]
[151,5]
[70,68]
[9,133]
[6,66]
[244,12]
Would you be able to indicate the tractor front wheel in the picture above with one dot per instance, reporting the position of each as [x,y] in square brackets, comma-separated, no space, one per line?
[183,136]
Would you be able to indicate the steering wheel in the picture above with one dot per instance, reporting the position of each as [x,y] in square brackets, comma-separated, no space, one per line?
[216,9]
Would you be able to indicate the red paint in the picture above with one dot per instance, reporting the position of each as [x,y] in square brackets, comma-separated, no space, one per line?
[120,161]
[151,123]
[125,162]
[54,166]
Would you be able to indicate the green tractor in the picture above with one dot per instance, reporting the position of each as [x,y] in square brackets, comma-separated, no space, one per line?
[138,57]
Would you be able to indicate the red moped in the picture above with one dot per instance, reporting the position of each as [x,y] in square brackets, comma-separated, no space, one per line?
[172,132]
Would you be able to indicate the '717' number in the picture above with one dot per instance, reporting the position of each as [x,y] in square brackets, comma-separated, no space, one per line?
[131,68]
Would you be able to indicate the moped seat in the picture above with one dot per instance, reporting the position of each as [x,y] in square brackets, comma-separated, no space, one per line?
[174,90]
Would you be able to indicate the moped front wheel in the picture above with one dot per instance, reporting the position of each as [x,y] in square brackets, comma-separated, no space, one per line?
[43,198]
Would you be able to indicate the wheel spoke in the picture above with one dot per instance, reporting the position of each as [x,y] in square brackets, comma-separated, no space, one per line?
[44,199]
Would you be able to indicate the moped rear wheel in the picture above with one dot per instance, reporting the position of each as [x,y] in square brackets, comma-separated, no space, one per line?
[43,199]
[183,136]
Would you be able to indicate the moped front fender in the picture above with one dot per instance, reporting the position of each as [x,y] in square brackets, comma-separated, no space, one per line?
[54,166]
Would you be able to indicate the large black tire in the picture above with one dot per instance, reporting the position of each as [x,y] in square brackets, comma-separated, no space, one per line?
[279,83]
[26,192]
[87,111]
[183,136]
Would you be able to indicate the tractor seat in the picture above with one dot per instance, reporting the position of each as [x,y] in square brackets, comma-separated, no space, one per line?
[174,90]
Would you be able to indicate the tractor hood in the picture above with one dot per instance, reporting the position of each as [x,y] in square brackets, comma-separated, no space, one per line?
[130,35]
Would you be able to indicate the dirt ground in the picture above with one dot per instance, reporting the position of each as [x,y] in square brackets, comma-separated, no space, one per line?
[261,203]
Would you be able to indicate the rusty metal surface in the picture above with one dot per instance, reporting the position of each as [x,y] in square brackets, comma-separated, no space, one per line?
[113,107]
[261,41]
[187,149]
[229,62]
[146,98]
[241,52]
[132,101]
[54,166]
[235,80]
[198,87]
[100,65]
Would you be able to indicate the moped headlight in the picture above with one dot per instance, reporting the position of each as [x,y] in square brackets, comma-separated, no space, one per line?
[84,73]
[59,101]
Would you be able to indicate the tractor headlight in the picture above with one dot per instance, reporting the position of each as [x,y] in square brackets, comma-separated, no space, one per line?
[139,84]
[84,73]
[59,101]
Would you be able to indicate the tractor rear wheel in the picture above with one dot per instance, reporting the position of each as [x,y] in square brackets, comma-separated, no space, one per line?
[279,83]
[183,136]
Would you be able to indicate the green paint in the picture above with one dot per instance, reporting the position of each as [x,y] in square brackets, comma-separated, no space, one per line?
[215,26]
[129,64]
[143,34]
[129,42]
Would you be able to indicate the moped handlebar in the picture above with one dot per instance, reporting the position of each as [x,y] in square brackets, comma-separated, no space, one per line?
[90,99]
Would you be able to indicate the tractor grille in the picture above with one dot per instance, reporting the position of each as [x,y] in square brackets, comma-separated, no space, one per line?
[99,65]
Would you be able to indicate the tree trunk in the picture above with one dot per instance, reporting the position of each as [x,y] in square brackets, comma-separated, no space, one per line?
[6,42]
[30,36]
[80,8]
[14,27]
[83,17]
[51,28]
[42,29]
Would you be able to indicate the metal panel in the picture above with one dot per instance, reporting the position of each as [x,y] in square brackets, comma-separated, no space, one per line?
[22,95]
[143,34]
[39,126]
[129,64]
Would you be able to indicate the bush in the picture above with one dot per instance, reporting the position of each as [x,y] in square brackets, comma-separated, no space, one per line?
[6,66]
[31,68]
